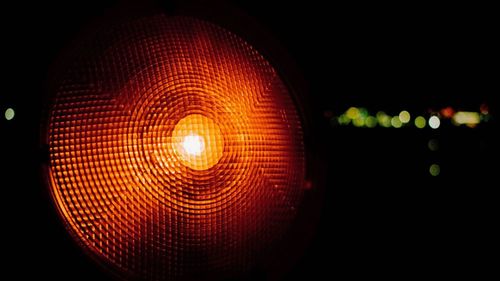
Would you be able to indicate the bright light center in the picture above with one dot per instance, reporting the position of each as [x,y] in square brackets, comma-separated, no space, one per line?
[193,145]
[197,142]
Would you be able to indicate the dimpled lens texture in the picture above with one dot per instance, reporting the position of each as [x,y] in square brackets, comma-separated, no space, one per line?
[176,151]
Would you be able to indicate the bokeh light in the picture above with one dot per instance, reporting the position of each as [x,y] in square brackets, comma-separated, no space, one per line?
[404,116]
[353,113]
[420,122]
[434,122]
[358,122]
[9,114]
[383,119]
[343,119]
[470,119]
[447,112]
[371,122]
[434,170]
[396,122]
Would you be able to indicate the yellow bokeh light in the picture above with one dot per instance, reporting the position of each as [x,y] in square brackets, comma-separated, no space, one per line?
[395,122]
[353,113]
[404,116]
[9,114]
[358,122]
[468,118]
[197,142]
[420,122]
[344,120]
[371,122]
[383,119]
[434,170]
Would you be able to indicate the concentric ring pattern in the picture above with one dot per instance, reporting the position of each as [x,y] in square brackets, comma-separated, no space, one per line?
[176,150]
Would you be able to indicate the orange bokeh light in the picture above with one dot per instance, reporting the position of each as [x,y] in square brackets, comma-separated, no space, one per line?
[447,112]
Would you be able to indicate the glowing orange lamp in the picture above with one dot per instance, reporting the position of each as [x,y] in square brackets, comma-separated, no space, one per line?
[176,150]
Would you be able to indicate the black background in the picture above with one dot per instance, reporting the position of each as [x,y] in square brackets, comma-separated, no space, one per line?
[383,214]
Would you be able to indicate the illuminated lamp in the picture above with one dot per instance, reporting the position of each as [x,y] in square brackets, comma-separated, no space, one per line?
[176,150]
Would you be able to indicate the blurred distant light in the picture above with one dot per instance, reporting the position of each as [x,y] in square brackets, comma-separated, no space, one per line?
[434,122]
[343,120]
[370,122]
[9,114]
[433,144]
[420,122]
[358,122]
[383,119]
[363,112]
[404,116]
[434,170]
[468,118]
[484,109]
[447,112]
[395,122]
[352,113]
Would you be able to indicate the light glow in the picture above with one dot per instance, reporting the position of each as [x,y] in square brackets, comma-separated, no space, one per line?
[404,116]
[371,122]
[434,122]
[466,118]
[343,119]
[197,141]
[420,122]
[434,170]
[447,112]
[395,122]
[353,113]
[383,119]
[9,114]
[358,122]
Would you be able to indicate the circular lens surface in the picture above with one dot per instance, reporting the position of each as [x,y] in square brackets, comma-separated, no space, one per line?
[176,151]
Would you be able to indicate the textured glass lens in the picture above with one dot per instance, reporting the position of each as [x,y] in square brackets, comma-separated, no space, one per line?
[176,151]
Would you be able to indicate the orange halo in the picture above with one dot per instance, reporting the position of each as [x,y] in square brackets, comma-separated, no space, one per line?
[197,142]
